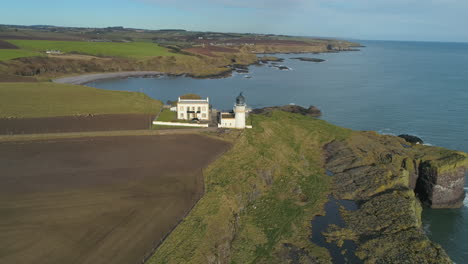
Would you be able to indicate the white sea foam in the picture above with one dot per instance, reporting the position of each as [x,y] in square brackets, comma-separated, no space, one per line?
[427,228]
[386,131]
[465,202]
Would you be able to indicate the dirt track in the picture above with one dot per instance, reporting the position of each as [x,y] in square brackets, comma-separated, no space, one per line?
[97,200]
[7,45]
[15,78]
[208,51]
[16,126]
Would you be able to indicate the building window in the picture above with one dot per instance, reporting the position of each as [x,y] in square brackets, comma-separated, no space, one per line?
[203,108]
[198,109]
[181,115]
[193,108]
[203,115]
[181,108]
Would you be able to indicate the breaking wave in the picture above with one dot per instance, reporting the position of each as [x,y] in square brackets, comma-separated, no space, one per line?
[386,131]
[465,202]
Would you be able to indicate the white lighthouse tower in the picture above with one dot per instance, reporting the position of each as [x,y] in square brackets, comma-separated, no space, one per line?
[239,111]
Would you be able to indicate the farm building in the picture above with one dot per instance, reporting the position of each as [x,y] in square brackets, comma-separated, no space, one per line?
[190,109]
[53,52]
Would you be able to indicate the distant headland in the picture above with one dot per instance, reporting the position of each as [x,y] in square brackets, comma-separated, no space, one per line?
[49,52]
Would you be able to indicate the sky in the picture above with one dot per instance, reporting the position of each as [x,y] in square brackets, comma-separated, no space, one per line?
[414,20]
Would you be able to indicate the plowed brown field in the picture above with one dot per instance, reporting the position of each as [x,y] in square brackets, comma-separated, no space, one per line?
[97,200]
[110,122]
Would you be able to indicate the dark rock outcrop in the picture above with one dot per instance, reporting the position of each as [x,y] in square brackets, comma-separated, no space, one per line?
[266,59]
[411,139]
[283,68]
[308,59]
[296,109]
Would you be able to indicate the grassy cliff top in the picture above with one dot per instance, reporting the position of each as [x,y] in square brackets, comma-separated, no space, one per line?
[44,99]
[262,195]
[259,195]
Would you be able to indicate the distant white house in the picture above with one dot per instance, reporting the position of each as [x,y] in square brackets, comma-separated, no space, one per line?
[53,52]
[235,119]
[189,109]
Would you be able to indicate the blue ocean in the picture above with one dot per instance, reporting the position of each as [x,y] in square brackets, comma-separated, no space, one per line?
[418,88]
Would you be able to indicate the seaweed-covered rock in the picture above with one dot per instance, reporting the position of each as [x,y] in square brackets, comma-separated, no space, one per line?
[266,59]
[296,109]
[381,173]
[411,139]
[308,59]
[388,229]
[410,246]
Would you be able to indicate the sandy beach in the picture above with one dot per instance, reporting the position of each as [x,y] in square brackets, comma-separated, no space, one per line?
[83,79]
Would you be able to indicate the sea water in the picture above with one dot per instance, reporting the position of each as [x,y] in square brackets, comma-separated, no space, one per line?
[418,88]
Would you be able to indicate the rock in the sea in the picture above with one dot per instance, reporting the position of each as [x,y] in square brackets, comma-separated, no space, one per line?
[308,59]
[283,68]
[266,59]
[311,111]
[411,139]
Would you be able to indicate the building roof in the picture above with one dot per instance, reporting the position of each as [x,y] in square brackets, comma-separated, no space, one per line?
[240,100]
[227,116]
[192,101]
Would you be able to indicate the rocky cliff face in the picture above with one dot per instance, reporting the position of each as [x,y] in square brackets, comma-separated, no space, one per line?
[295,109]
[383,173]
[435,174]
[442,186]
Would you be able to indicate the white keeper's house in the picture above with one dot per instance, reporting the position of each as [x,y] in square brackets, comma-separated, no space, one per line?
[189,109]
[236,118]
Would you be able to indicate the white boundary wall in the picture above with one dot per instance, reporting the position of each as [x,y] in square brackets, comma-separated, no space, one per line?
[178,124]
[221,126]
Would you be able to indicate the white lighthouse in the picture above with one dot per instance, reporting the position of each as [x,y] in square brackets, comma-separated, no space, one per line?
[239,111]
[236,118]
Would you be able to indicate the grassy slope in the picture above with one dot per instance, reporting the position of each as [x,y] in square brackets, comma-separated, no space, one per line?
[51,99]
[127,50]
[198,66]
[261,194]
[9,54]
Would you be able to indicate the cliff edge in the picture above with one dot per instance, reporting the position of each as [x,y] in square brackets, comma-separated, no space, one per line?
[262,195]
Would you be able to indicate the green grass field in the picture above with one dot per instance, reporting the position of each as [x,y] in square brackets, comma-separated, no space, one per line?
[114,49]
[8,54]
[167,115]
[52,99]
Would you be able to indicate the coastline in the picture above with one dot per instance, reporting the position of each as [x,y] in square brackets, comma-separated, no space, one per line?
[229,69]
[87,78]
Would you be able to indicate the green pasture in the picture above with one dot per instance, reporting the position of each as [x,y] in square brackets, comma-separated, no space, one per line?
[167,115]
[8,54]
[113,49]
[52,99]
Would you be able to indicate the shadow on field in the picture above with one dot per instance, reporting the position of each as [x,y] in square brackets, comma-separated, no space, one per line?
[84,123]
